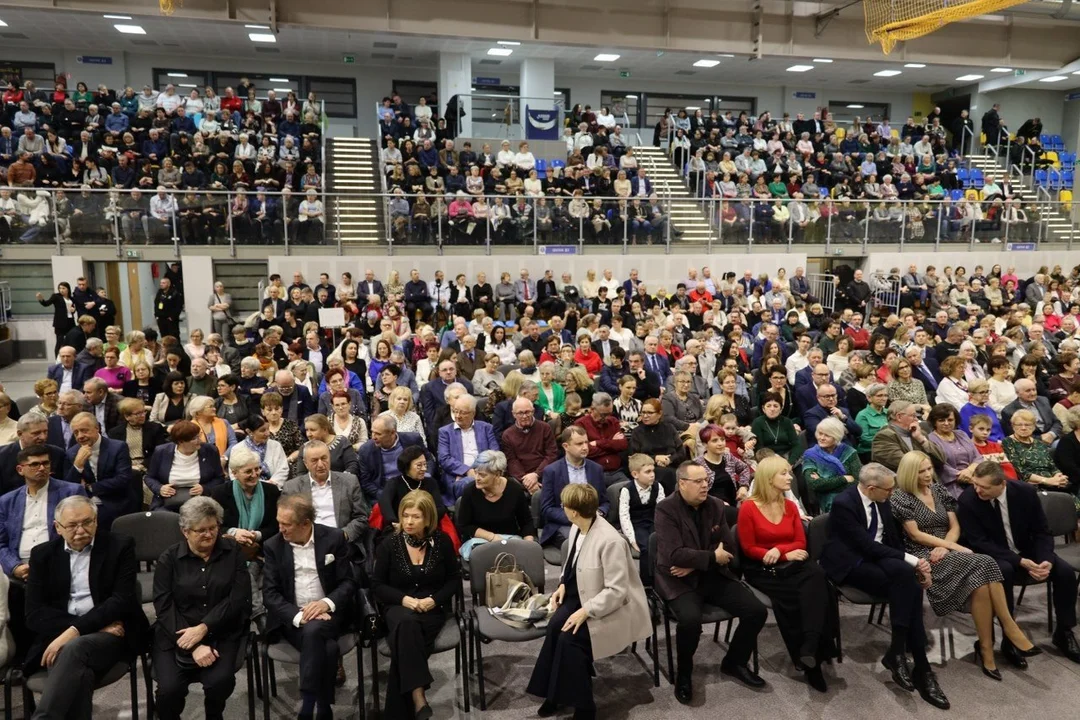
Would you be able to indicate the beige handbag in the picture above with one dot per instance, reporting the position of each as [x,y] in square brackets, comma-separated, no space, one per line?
[502,575]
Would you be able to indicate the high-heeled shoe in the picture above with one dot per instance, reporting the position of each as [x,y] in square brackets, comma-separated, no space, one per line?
[1030,652]
[992,673]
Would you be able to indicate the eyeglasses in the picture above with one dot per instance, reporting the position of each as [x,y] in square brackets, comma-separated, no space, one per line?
[691,481]
[205,532]
[36,465]
[85,524]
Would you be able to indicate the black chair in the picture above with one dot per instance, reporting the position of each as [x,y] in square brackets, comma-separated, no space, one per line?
[154,533]
[552,554]
[614,493]
[281,651]
[483,626]
[27,403]
[1061,520]
[816,537]
[245,660]
[660,609]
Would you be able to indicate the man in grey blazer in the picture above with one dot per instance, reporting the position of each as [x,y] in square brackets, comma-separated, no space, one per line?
[524,291]
[1047,425]
[339,502]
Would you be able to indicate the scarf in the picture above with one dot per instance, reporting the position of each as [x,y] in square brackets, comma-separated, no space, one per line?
[825,458]
[251,511]
[260,450]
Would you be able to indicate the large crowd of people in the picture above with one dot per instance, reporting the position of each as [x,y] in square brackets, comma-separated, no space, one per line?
[152,165]
[673,445]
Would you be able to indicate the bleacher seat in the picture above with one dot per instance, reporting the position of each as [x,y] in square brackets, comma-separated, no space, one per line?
[1058,142]
[1053,158]
[1065,197]
[963,175]
[956,195]
[1044,140]
[977,180]
[1068,159]
[1067,178]
[824,192]
[1041,178]
[561,164]
[973,195]
[541,168]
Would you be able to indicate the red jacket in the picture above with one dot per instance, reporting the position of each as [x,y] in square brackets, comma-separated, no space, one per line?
[232,104]
[607,452]
[860,336]
[592,363]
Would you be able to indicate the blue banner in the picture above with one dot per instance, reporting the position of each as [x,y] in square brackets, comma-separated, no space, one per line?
[542,124]
[804,95]
[485,81]
[558,249]
[1020,247]
[94,59]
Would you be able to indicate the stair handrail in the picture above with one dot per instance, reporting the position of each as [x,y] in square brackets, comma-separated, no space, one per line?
[964,143]
[1028,149]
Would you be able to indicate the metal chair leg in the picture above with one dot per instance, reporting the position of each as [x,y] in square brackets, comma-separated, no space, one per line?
[716,633]
[375,676]
[133,676]
[727,633]
[273,676]
[148,681]
[252,674]
[670,657]
[870,617]
[480,670]
[881,614]
[465,689]
[360,699]
[1049,607]
[266,681]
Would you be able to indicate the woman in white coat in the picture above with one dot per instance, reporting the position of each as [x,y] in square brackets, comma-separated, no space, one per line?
[600,608]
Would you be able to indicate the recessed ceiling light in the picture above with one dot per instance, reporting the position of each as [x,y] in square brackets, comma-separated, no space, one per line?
[279,79]
[1054,78]
[969,78]
[1077,72]
[507,42]
[706,63]
[606,57]
[886,73]
[177,74]
[130,29]
[800,68]
[3,24]
[856,107]
[284,90]
[263,37]
[257,27]
[707,100]
[116,17]
[631,97]
[692,107]
[187,85]
[914,65]
[558,92]
[999,69]
[501,52]
[822,60]
[724,55]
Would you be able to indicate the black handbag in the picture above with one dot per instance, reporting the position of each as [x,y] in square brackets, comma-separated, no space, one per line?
[372,625]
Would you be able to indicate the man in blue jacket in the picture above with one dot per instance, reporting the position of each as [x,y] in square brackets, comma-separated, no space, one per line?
[103,467]
[574,468]
[461,442]
[378,456]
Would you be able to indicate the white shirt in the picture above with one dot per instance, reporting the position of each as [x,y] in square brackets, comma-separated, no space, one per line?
[625,524]
[1003,499]
[80,602]
[322,497]
[185,470]
[468,444]
[35,529]
[65,383]
[306,584]
[908,557]
[796,362]
[99,413]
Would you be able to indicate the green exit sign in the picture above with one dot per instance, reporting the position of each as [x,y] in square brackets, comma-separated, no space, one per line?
[624,73]
[348,59]
[1019,73]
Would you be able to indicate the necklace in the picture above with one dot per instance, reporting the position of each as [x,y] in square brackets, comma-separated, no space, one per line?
[411,488]
[775,432]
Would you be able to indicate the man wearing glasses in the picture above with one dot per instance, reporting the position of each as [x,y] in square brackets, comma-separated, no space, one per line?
[32,429]
[901,435]
[865,550]
[828,406]
[84,609]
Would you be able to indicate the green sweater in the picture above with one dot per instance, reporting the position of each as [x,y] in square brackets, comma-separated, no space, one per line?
[778,435]
[871,421]
[825,483]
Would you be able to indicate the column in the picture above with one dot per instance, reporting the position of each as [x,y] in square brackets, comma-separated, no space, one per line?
[455,78]
[198,286]
[538,93]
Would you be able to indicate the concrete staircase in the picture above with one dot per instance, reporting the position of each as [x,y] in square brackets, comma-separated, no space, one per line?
[686,212]
[353,210]
[1056,217]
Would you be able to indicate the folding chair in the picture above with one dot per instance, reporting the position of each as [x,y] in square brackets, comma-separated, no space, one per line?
[552,554]
[154,533]
[614,493]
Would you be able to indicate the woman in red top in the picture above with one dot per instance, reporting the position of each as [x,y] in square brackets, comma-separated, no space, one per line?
[776,563]
[586,357]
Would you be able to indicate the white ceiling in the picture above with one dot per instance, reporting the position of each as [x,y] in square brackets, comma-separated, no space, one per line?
[32,28]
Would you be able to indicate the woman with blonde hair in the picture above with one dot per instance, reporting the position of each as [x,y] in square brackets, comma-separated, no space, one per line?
[136,350]
[960,579]
[48,391]
[578,381]
[773,541]
[400,406]
[212,429]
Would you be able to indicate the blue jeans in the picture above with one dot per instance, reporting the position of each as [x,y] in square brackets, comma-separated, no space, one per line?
[468,545]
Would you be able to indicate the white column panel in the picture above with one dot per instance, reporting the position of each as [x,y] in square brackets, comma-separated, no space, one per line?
[537,86]
[455,78]
[67,268]
[198,285]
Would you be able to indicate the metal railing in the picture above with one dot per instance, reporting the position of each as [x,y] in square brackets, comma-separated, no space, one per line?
[823,289]
[66,218]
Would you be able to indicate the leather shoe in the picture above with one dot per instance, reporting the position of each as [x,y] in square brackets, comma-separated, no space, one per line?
[684,689]
[547,709]
[1066,643]
[993,674]
[816,679]
[901,673]
[1035,650]
[339,679]
[1012,655]
[582,714]
[929,690]
[743,674]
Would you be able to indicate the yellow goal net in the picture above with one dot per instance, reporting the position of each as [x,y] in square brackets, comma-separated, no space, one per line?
[893,21]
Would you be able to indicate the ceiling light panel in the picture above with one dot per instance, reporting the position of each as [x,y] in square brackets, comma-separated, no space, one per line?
[706,63]
[606,57]
[886,73]
[800,68]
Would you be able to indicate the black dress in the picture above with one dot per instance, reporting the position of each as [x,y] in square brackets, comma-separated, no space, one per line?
[63,319]
[659,439]
[564,669]
[411,635]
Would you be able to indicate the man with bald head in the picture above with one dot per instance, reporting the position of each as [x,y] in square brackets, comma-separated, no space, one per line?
[296,401]
[529,445]
[103,467]
[102,403]
[69,404]
[806,395]
[828,405]
[461,442]
[1047,426]
[63,372]
[378,456]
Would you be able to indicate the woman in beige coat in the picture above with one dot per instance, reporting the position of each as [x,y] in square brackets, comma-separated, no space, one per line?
[601,608]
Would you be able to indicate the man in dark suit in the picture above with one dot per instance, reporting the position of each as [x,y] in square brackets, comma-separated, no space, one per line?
[83,605]
[654,361]
[603,345]
[308,587]
[63,372]
[503,415]
[575,467]
[648,381]
[827,405]
[693,543]
[103,404]
[469,359]
[432,394]
[70,404]
[369,286]
[296,402]
[865,550]
[87,362]
[640,185]
[274,300]
[103,467]
[923,369]
[378,456]
[168,304]
[1047,426]
[1005,520]
[32,429]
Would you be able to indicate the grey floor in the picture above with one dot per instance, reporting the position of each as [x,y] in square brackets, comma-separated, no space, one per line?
[858,688]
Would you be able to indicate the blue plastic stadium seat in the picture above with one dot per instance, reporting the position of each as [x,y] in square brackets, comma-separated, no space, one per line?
[541,168]
[956,195]
[1059,142]
[1067,159]
[963,175]
[1041,178]
[1067,179]
[1046,141]
[561,164]
[824,192]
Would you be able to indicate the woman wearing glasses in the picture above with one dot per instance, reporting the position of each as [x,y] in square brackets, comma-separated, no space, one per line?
[202,596]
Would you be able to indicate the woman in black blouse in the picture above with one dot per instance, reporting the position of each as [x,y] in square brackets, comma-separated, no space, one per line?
[415,578]
[658,438]
[64,312]
[494,507]
[412,463]
[483,295]
[202,596]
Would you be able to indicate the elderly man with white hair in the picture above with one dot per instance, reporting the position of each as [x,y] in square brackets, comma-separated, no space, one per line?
[296,400]
[1047,425]
[461,442]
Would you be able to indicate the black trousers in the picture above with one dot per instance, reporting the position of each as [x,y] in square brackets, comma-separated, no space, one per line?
[69,689]
[894,579]
[411,638]
[803,606]
[722,592]
[317,642]
[1064,583]
[218,682]
[168,326]
[564,668]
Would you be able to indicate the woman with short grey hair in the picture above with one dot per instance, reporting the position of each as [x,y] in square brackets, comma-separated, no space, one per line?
[198,510]
[494,507]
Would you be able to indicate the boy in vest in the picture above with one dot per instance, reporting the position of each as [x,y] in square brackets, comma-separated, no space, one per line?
[637,505]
